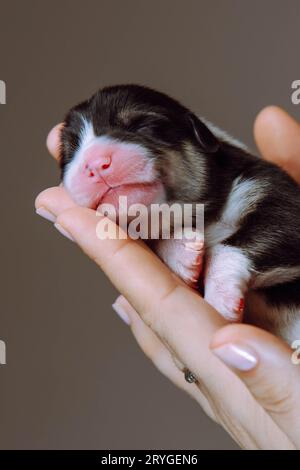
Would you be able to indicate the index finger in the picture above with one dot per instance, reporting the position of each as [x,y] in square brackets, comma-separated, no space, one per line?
[137,273]
[180,317]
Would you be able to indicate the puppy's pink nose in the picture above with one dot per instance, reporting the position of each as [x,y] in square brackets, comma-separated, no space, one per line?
[95,167]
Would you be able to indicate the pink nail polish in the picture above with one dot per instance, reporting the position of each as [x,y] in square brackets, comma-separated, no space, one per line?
[45,214]
[121,312]
[236,356]
[63,232]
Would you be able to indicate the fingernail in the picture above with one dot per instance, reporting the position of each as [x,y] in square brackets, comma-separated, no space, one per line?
[45,213]
[63,232]
[236,356]
[121,312]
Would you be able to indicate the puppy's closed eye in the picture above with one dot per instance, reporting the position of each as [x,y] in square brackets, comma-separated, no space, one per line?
[156,128]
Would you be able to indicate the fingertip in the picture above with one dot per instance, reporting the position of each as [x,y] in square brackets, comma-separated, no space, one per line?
[245,347]
[125,311]
[267,348]
[75,217]
[55,199]
[277,135]
[53,140]
[240,332]
[120,308]
[268,121]
[44,196]
[268,115]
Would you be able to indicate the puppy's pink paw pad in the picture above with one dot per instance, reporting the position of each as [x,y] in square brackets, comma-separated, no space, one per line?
[229,306]
[239,308]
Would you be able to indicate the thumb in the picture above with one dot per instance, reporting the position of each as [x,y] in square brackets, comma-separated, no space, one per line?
[277,136]
[265,364]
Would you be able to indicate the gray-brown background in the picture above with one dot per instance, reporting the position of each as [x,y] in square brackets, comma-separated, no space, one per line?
[74,376]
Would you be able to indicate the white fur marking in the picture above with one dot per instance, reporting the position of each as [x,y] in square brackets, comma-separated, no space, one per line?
[86,136]
[242,199]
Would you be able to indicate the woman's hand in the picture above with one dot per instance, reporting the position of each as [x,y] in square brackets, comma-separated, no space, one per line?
[256,398]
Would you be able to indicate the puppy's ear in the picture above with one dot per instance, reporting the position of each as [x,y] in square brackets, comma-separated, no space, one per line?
[205,138]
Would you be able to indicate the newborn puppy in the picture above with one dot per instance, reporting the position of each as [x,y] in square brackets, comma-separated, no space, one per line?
[132,141]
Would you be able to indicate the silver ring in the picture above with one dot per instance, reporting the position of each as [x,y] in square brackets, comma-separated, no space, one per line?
[189,376]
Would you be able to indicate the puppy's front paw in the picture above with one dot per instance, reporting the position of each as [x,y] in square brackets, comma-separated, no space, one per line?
[189,258]
[184,255]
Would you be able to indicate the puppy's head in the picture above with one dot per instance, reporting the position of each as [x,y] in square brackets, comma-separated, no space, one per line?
[132,141]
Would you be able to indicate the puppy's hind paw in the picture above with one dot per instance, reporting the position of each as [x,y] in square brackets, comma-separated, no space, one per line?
[230,307]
